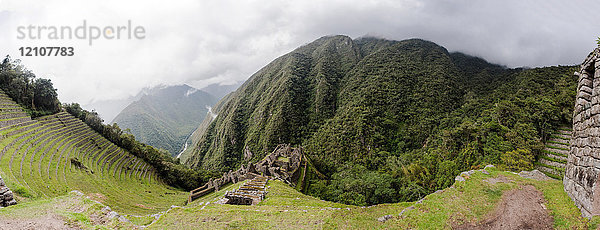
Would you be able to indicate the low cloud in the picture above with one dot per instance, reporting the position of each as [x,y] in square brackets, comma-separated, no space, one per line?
[206,42]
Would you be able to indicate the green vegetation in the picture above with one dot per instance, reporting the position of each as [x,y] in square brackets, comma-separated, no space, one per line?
[466,202]
[37,95]
[170,171]
[166,117]
[36,162]
[405,115]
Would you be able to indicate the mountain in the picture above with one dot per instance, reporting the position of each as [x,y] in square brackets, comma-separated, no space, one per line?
[403,116]
[109,109]
[333,78]
[219,91]
[165,117]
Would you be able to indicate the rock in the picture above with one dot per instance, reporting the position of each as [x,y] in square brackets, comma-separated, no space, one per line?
[485,172]
[420,201]
[535,174]
[106,209]
[459,178]
[384,218]
[406,209]
[8,195]
[124,220]
[11,202]
[113,214]
[78,193]
[489,166]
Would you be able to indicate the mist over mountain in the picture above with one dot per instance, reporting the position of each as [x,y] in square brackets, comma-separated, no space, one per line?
[165,117]
[219,91]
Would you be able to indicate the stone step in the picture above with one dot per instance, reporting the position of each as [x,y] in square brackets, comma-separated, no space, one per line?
[567,136]
[561,151]
[564,132]
[565,142]
[9,122]
[557,145]
[549,171]
[11,110]
[4,116]
[561,158]
[552,163]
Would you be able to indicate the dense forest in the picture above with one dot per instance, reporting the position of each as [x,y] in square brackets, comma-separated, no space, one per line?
[387,121]
[36,95]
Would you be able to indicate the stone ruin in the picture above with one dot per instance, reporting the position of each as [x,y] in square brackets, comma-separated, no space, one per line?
[6,196]
[284,164]
[250,193]
[582,172]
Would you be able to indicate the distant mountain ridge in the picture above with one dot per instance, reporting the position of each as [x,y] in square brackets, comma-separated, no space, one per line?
[165,117]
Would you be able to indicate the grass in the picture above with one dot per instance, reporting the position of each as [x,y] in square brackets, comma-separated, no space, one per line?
[553,159]
[560,137]
[465,202]
[554,147]
[558,143]
[37,166]
[555,153]
[74,210]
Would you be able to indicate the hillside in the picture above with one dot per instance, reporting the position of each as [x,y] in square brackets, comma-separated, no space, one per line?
[474,202]
[49,156]
[404,115]
[165,117]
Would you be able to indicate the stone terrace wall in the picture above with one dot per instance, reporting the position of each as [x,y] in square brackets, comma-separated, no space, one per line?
[583,165]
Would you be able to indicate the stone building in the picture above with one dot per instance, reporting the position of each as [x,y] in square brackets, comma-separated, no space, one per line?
[582,172]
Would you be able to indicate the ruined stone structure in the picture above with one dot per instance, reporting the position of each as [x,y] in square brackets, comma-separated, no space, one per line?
[6,196]
[284,163]
[582,172]
[250,193]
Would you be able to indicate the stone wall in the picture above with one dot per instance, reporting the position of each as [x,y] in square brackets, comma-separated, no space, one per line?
[283,164]
[583,165]
[6,196]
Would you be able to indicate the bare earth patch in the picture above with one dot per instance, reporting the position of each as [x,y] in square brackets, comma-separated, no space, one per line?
[521,208]
[45,222]
[143,206]
[535,174]
[97,197]
[498,179]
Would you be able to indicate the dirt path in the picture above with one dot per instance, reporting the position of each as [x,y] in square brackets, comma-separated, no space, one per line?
[46,222]
[522,208]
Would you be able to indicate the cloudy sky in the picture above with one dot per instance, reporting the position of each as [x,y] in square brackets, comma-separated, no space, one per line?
[226,41]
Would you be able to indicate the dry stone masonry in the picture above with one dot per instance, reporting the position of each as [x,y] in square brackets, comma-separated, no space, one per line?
[582,172]
[250,193]
[284,163]
[6,196]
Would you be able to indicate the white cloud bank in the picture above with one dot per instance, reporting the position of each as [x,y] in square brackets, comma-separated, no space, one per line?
[225,41]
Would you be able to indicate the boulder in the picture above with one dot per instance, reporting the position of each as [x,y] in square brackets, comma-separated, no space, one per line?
[8,195]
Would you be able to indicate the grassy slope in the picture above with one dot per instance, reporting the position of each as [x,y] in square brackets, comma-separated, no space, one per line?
[124,192]
[284,207]
[77,211]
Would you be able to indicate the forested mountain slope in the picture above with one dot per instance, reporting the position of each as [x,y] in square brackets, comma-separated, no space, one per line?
[387,121]
[166,117]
